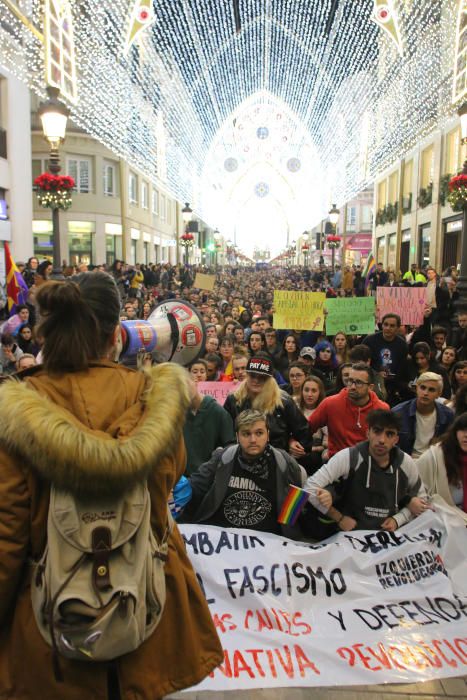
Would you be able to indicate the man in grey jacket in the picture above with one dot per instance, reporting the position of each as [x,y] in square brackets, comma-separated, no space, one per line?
[375,481]
[245,485]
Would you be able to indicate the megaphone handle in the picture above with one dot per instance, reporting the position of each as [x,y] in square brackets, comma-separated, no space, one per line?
[175,333]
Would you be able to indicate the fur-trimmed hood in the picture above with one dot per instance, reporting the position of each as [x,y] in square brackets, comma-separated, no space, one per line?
[65,446]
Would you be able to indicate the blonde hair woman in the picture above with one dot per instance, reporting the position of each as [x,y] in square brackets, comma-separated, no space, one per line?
[288,428]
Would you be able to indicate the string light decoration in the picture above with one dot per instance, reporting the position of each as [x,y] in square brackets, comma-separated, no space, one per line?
[189,74]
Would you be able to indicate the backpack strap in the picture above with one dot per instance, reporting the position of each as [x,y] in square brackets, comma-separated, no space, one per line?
[163,545]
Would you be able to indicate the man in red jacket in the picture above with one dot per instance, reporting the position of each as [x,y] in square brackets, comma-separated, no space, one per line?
[345,413]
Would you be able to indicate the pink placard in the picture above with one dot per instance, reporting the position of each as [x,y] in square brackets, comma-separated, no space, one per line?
[407,302]
[218,390]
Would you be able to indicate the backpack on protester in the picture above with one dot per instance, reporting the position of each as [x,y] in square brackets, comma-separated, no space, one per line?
[99,589]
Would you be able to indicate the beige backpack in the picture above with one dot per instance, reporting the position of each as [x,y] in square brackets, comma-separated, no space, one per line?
[99,589]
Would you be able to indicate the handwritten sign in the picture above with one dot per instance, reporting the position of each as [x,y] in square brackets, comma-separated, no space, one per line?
[407,302]
[301,311]
[218,390]
[206,282]
[350,315]
[364,607]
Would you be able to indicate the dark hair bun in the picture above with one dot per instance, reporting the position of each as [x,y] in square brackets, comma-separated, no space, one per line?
[60,299]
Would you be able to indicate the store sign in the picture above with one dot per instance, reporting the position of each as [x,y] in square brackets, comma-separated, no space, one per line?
[366,607]
[453,226]
[361,242]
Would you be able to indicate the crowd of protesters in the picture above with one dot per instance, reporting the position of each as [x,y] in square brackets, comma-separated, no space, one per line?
[373,428]
[317,393]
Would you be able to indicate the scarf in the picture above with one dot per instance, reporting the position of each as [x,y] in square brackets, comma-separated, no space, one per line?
[258,465]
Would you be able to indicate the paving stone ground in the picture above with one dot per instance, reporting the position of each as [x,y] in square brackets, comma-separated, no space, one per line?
[443,689]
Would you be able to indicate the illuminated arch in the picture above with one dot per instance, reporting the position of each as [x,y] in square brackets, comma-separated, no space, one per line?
[60,62]
[263,141]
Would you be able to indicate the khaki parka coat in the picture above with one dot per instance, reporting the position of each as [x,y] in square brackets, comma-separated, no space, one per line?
[106,427]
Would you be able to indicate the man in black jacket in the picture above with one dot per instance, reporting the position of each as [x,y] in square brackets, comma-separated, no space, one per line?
[245,485]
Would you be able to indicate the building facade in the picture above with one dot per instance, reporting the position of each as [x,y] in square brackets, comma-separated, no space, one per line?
[117,212]
[15,168]
[414,222]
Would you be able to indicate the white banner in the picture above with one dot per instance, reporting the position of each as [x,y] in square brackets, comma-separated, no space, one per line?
[364,608]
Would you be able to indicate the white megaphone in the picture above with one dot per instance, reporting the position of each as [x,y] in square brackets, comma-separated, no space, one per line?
[173,332]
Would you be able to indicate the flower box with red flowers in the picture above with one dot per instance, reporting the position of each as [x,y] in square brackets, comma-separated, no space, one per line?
[333,241]
[187,239]
[457,196]
[48,182]
[305,247]
[54,191]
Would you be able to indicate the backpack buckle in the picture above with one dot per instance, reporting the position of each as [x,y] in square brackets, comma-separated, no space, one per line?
[101,546]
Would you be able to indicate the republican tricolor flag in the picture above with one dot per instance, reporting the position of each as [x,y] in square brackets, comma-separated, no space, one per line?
[17,289]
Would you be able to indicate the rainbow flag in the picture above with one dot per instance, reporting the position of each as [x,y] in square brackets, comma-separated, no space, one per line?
[293,505]
[17,289]
[369,268]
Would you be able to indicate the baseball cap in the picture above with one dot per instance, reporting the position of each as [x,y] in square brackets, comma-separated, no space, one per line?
[260,365]
[308,352]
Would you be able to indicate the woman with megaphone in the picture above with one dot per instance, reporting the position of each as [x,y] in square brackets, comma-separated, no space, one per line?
[82,429]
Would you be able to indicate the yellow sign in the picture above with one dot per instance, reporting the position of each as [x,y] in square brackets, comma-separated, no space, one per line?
[206,282]
[300,311]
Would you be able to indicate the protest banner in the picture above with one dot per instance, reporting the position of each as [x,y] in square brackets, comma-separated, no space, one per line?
[205,282]
[350,315]
[366,607]
[301,311]
[407,302]
[218,390]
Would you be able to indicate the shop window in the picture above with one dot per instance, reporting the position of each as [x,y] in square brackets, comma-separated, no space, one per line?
[424,239]
[80,242]
[392,252]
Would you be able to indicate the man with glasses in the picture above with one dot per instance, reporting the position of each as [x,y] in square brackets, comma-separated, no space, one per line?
[345,413]
[423,418]
[375,482]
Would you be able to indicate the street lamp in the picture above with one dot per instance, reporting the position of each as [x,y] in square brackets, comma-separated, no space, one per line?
[333,218]
[217,238]
[54,116]
[187,213]
[334,215]
[461,303]
[305,247]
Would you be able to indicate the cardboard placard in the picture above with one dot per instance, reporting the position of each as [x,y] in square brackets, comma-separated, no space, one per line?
[301,311]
